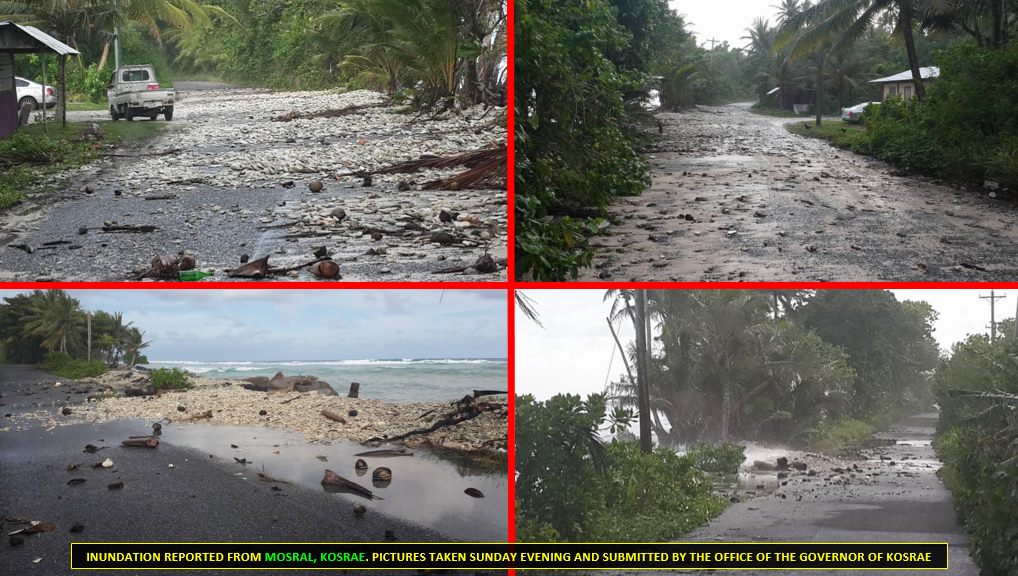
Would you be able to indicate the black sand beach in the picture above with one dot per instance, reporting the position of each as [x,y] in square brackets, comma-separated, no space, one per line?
[202,497]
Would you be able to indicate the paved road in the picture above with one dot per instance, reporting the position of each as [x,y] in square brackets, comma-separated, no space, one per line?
[236,182]
[200,499]
[767,205]
[881,502]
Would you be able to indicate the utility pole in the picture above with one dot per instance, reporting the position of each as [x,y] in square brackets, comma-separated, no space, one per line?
[993,318]
[713,41]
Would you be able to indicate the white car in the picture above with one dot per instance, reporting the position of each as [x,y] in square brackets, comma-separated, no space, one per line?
[854,114]
[32,93]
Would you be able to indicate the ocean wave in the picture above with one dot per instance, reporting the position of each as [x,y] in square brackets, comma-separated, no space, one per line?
[249,366]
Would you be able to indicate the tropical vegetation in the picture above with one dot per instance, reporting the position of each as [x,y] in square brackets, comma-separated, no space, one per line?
[586,70]
[430,51]
[977,390]
[50,327]
[710,369]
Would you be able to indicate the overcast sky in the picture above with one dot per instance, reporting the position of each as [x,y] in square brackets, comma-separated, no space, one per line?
[243,325]
[574,352]
[723,19]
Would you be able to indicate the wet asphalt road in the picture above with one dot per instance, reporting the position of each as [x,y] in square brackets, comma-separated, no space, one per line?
[894,496]
[736,197]
[200,499]
[217,224]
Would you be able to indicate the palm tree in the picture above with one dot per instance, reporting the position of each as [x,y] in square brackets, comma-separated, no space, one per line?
[134,343]
[839,23]
[55,316]
[633,304]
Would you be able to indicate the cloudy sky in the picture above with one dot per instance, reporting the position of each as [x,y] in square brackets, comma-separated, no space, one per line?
[723,20]
[241,325]
[574,352]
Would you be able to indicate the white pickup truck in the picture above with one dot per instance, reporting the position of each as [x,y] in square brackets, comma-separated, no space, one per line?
[134,92]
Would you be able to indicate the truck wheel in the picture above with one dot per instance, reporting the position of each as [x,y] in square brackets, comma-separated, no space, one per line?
[168,113]
[113,113]
[128,115]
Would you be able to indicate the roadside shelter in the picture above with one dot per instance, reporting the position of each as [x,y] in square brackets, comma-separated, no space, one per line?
[902,84]
[19,39]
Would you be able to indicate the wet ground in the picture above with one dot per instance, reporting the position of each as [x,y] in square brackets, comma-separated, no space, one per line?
[890,494]
[237,184]
[192,489]
[736,197]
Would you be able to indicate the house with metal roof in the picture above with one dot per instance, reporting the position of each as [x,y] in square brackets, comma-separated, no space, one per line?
[902,84]
[19,39]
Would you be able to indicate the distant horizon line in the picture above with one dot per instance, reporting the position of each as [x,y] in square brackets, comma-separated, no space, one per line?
[502,358]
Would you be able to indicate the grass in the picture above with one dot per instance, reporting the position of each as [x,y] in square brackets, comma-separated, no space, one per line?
[832,129]
[30,158]
[844,437]
[775,112]
[85,106]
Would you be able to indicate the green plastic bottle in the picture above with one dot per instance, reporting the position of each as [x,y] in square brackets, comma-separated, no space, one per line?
[193,275]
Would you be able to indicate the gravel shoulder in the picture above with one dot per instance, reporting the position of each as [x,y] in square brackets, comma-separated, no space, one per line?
[237,184]
[736,197]
[199,498]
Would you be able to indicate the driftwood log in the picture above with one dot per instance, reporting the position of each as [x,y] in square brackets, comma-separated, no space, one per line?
[333,416]
[151,442]
[386,453]
[335,482]
[467,410]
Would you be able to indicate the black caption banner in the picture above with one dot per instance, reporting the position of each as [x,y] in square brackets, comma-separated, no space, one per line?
[495,556]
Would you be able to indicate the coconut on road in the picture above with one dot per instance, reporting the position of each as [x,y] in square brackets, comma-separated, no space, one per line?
[233,175]
[736,197]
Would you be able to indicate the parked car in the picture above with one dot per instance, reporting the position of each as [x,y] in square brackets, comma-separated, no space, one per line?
[133,91]
[32,93]
[854,114]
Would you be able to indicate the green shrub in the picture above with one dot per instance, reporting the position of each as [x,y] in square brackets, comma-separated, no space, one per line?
[978,443]
[655,497]
[722,458]
[169,379]
[577,142]
[841,436]
[571,487]
[63,365]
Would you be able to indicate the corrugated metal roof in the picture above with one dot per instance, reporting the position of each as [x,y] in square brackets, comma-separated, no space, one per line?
[906,76]
[50,42]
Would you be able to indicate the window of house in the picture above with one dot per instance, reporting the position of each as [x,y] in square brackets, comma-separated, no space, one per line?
[892,90]
[135,76]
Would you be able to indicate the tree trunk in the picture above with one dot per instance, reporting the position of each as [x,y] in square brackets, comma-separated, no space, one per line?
[106,53]
[62,105]
[820,89]
[905,23]
[642,366]
[726,403]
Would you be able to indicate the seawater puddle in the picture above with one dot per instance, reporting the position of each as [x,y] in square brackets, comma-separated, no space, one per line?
[426,489]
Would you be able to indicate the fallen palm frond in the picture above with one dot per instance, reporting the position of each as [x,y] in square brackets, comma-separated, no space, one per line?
[475,159]
[332,113]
